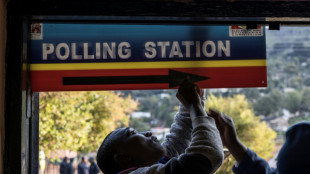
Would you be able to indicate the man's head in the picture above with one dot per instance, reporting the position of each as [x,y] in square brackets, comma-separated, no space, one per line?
[71,160]
[295,152]
[91,159]
[125,148]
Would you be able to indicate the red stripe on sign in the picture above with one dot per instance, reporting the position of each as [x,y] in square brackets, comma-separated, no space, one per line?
[232,77]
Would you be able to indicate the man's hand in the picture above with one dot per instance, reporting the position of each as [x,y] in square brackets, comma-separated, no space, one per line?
[190,95]
[226,127]
[228,134]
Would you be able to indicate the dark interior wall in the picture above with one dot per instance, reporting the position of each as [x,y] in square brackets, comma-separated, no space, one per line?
[2,76]
[183,8]
[13,94]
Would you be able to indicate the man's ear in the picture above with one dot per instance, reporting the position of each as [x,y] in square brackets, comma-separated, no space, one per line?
[122,159]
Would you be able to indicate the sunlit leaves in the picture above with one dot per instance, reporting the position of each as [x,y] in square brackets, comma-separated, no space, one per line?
[79,121]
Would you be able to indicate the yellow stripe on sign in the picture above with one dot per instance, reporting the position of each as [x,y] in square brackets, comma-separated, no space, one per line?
[148,65]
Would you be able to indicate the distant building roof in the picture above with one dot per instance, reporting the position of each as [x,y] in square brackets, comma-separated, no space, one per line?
[141,115]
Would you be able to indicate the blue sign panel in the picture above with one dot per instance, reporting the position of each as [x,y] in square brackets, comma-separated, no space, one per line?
[76,43]
[118,56]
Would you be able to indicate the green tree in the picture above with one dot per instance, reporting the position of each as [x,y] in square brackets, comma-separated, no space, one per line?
[305,104]
[298,101]
[269,104]
[79,121]
[296,82]
[161,104]
[255,134]
[252,94]
[110,111]
[293,101]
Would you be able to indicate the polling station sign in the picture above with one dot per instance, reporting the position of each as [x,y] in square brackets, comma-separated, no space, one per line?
[70,57]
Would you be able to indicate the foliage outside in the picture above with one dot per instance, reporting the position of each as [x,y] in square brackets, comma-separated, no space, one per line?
[79,121]
[160,103]
[254,134]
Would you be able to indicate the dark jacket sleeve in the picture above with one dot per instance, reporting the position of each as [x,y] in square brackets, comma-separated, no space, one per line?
[251,163]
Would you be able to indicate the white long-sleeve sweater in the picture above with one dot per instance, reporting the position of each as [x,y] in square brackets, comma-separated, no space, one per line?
[194,146]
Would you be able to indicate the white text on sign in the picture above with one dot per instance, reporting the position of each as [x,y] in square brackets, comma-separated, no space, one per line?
[122,50]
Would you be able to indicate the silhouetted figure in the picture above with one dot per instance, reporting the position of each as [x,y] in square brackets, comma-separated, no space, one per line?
[93,168]
[83,167]
[71,167]
[64,166]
